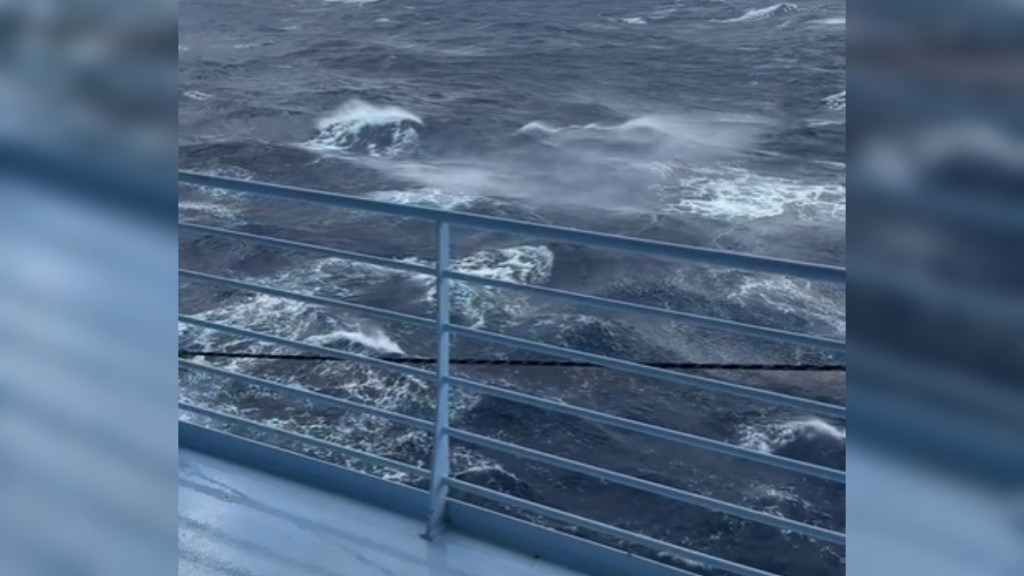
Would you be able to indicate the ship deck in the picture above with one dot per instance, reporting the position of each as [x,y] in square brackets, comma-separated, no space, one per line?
[236,521]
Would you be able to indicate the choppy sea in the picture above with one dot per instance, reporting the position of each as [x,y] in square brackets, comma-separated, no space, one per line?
[705,122]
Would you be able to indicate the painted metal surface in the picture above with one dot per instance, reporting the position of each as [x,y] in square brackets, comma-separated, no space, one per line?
[236,520]
[435,505]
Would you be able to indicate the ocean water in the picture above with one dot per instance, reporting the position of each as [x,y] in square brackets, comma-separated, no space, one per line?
[706,122]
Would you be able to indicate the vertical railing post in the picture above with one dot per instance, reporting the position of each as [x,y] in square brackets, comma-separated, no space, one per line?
[440,461]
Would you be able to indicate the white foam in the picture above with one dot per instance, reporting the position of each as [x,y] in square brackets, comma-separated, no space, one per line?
[796,297]
[775,500]
[362,113]
[374,339]
[834,21]
[771,437]
[293,320]
[342,129]
[539,126]
[208,208]
[357,382]
[522,264]
[735,193]
[197,95]
[357,2]
[528,264]
[215,201]
[429,197]
[763,13]
[636,21]
[232,172]
[836,101]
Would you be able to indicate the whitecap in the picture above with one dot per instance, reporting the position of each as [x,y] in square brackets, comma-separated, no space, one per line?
[836,102]
[359,126]
[757,14]
[218,210]
[197,95]
[636,21]
[735,193]
[834,21]
[771,437]
[427,197]
[232,172]
[790,296]
[668,132]
[526,264]
[216,201]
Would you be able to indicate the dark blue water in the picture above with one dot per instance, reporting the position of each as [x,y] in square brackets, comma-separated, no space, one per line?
[719,124]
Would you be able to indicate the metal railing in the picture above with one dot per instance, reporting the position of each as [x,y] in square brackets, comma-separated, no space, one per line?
[440,481]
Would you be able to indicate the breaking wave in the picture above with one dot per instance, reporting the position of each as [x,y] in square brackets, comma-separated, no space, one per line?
[806,439]
[836,101]
[294,320]
[764,13]
[363,128]
[197,95]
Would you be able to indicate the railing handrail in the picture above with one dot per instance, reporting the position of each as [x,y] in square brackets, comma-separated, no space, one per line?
[438,476]
[749,262]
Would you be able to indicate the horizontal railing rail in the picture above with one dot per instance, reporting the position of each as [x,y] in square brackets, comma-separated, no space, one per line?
[702,382]
[315,397]
[381,461]
[816,272]
[828,344]
[441,429]
[653,431]
[371,311]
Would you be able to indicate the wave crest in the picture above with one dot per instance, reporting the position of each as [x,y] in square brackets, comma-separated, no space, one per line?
[773,437]
[836,102]
[361,127]
[663,132]
[772,11]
